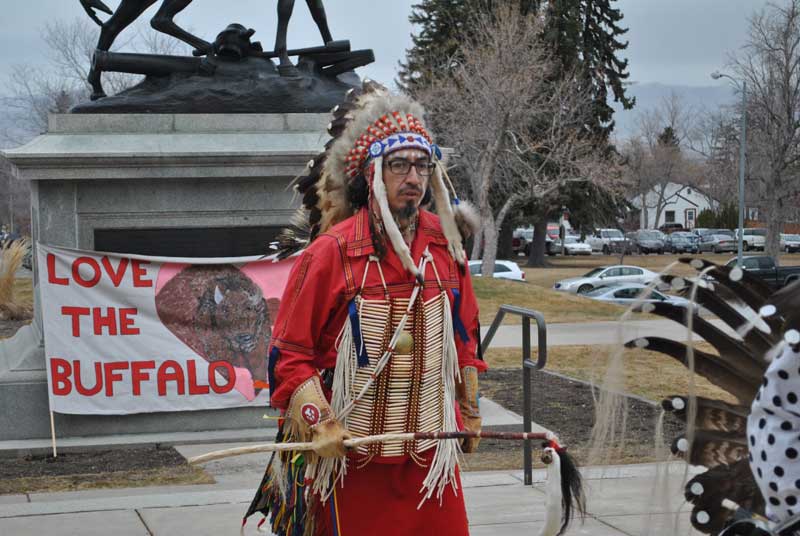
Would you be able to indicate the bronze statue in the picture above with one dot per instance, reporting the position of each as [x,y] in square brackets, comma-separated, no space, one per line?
[285,8]
[129,10]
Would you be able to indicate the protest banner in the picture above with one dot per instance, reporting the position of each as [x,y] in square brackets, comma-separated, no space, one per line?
[136,334]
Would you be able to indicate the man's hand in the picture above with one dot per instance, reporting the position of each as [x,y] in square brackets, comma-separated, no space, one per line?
[327,439]
[471,424]
[313,417]
[467,395]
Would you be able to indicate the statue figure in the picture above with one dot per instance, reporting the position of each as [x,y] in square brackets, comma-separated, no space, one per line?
[129,10]
[285,8]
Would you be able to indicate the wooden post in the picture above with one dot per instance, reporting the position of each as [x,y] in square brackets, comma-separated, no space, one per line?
[53,433]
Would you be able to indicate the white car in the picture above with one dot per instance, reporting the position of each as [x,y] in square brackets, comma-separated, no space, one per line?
[605,275]
[502,270]
[606,240]
[628,293]
[573,246]
[753,238]
[790,243]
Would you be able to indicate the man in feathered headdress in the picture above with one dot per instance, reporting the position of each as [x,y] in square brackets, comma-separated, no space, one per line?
[377,333]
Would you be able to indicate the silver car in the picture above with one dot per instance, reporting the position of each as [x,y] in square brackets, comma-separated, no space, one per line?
[628,293]
[790,243]
[605,275]
[717,243]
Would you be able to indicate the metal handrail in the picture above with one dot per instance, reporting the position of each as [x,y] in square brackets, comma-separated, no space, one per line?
[527,366]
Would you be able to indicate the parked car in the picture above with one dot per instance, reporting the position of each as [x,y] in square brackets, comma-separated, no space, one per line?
[603,276]
[502,270]
[572,246]
[521,243]
[682,242]
[646,241]
[669,228]
[790,243]
[717,243]
[753,238]
[700,231]
[551,237]
[628,293]
[607,241]
[766,268]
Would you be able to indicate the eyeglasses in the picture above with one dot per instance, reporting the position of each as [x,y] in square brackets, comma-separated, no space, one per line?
[401,166]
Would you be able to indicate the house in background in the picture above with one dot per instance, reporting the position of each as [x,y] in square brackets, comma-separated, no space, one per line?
[671,203]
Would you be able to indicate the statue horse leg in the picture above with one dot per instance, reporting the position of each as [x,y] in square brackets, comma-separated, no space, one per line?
[163,22]
[318,13]
[127,12]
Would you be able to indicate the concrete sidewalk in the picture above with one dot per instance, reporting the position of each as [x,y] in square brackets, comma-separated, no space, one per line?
[586,333]
[620,502]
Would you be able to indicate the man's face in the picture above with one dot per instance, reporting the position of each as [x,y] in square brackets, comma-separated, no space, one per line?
[405,190]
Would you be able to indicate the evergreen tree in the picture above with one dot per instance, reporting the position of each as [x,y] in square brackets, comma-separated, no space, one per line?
[600,61]
[707,218]
[442,25]
[667,138]
[584,35]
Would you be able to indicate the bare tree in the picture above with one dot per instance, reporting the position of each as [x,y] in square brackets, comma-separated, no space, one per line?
[770,65]
[654,158]
[35,92]
[517,128]
[715,139]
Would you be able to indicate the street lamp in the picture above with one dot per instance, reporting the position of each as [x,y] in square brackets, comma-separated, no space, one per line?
[716,75]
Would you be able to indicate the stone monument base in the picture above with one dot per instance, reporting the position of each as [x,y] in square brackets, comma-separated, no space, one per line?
[108,179]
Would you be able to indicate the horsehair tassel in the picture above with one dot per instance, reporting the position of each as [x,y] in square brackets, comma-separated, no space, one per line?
[446,216]
[564,489]
[353,444]
[553,492]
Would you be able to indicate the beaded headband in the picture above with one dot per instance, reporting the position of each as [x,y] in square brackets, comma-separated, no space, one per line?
[386,135]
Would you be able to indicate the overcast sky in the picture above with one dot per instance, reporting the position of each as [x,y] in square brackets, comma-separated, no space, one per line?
[672,42]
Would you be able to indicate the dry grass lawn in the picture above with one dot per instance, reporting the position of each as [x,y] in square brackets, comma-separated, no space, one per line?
[168,476]
[647,374]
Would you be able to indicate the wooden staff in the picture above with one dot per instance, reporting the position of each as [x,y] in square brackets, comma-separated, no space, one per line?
[383,438]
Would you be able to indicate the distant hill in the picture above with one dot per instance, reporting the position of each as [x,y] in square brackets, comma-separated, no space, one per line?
[649,96]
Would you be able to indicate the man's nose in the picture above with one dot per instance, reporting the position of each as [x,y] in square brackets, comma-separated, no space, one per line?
[412,177]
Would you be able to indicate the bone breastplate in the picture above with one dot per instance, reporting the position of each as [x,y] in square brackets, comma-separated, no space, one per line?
[408,395]
[381,386]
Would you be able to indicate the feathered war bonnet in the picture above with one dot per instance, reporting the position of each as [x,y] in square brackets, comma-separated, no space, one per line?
[367,126]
